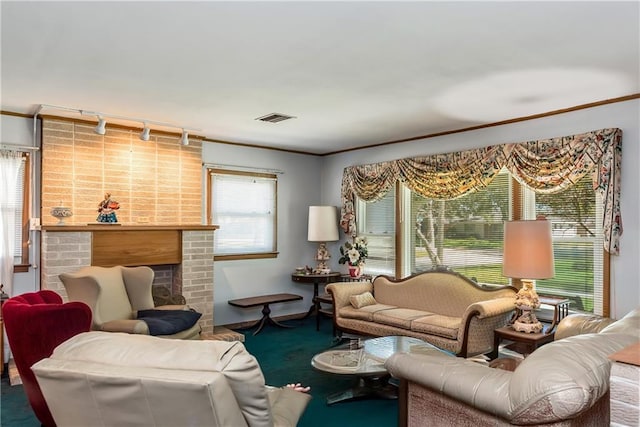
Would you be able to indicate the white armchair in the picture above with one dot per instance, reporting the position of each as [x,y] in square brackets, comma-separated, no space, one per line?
[117,379]
[117,294]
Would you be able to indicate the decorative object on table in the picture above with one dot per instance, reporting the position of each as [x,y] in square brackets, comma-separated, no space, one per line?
[61,212]
[107,210]
[528,255]
[354,255]
[323,227]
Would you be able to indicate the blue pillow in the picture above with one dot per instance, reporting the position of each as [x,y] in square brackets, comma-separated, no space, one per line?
[168,322]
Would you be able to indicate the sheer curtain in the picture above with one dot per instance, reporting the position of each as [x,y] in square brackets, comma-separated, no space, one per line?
[10,163]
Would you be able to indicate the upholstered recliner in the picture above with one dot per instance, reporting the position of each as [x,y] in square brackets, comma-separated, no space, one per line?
[120,297]
[37,322]
[116,379]
[564,383]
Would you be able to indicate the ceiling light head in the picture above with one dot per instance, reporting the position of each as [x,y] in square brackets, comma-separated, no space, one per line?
[185,138]
[144,135]
[101,128]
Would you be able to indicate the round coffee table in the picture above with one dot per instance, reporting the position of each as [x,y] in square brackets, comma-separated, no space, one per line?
[366,364]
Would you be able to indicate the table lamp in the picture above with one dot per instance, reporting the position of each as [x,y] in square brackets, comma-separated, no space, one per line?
[528,255]
[323,228]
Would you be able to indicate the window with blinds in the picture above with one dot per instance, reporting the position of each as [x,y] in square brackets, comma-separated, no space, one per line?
[376,221]
[243,204]
[18,208]
[466,235]
[576,220]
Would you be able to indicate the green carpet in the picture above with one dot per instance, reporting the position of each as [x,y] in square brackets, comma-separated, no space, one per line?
[284,356]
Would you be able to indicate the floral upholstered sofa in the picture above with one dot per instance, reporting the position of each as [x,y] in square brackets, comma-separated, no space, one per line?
[441,307]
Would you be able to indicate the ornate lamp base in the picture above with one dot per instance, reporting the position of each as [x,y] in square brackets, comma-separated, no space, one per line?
[527,322]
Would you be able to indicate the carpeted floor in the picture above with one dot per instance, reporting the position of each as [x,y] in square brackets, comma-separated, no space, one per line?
[284,355]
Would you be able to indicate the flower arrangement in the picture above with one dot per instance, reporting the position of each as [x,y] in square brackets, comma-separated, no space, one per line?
[355,253]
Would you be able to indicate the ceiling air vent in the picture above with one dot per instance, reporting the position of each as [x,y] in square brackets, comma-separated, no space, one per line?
[275,118]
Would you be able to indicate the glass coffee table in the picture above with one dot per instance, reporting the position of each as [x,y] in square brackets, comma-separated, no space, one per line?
[364,360]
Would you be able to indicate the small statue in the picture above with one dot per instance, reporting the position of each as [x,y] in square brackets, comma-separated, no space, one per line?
[106,210]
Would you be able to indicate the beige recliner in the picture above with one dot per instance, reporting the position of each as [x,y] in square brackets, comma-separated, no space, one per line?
[116,379]
[116,295]
[564,383]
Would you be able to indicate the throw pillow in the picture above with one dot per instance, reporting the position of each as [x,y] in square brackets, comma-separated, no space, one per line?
[362,300]
[168,322]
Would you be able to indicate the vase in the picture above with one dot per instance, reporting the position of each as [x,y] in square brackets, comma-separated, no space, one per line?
[354,271]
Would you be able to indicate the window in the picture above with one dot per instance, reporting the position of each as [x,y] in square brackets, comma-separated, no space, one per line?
[466,235]
[19,209]
[243,204]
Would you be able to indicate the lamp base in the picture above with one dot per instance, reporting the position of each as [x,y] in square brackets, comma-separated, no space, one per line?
[530,328]
[322,256]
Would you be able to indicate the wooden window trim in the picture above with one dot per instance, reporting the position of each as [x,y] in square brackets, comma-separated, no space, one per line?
[209,201]
[23,265]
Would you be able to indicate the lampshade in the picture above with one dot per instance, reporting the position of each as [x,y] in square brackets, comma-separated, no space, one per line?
[323,225]
[528,250]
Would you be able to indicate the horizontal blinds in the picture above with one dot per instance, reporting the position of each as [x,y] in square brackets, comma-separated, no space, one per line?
[576,218]
[376,221]
[244,206]
[464,234]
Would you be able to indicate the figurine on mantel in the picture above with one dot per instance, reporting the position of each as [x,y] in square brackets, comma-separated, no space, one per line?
[106,210]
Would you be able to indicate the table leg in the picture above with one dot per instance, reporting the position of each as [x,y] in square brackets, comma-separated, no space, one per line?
[266,318]
[496,344]
[366,387]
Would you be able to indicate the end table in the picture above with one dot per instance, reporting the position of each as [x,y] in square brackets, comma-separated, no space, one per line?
[316,280]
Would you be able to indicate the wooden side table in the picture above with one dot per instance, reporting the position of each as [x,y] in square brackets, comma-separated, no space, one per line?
[560,310]
[264,301]
[528,341]
[315,280]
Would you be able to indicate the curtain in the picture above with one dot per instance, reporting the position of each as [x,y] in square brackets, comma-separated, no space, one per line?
[10,163]
[545,166]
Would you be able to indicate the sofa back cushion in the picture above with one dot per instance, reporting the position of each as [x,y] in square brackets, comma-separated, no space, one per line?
[441,292]
[116,351]
[89,393]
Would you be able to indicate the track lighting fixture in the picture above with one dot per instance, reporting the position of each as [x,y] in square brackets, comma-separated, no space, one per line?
[185,138]
[101,128]
[145,133]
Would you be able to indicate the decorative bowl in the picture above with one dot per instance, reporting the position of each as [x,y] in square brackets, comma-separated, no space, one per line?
[61,212]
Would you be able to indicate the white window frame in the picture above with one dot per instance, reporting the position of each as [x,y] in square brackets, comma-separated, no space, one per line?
[254,250]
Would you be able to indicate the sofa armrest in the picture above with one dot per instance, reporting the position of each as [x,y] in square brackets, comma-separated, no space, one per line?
[581,323]
[287,405]
[491,307]
[341,291]
[463,380]
[129,326]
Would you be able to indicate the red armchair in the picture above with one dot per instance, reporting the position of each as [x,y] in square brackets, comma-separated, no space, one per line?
[36,323]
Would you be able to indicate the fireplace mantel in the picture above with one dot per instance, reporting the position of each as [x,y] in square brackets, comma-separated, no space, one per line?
[133,245]
[187,251]
[116,227]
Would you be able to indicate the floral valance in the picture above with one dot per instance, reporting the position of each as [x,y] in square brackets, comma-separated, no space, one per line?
[545,166]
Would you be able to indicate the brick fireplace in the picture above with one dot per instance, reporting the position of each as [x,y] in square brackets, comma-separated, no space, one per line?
[181,256]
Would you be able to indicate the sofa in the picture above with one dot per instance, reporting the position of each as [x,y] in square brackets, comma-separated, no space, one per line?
[441,307]
[119,379]
[564,383]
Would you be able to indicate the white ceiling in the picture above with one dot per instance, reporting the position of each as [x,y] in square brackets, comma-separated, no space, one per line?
[352,73]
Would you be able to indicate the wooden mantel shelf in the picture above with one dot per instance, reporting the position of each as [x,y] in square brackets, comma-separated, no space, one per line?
[132,245]
[109,227]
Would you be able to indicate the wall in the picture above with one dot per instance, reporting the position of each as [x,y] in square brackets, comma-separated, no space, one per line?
[156,182]
[19,131]
[298,188]
[625,269]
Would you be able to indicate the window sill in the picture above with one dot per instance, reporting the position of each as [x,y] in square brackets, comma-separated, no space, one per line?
[245,256]
[21,268]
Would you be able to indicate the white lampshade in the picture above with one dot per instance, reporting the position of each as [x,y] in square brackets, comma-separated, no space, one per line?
[323,224]
[528,250]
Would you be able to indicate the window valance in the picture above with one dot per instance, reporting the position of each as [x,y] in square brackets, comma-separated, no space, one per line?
[545,166]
